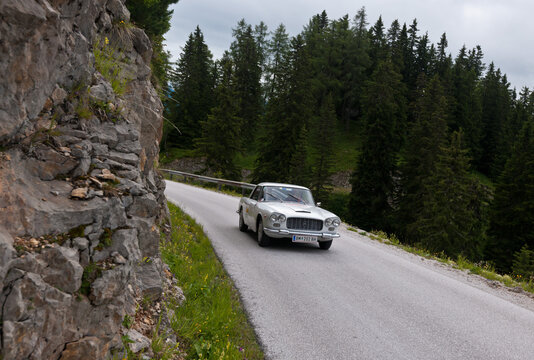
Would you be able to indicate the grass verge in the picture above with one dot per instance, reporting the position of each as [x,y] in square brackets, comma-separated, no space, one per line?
[483,269]
[211,323]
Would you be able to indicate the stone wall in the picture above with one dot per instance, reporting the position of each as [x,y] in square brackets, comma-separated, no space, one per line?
[81,206]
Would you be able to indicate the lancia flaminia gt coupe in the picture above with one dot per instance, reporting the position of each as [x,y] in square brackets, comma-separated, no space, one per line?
[286,211]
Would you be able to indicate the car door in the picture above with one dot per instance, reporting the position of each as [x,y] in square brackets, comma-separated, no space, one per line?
[251,207]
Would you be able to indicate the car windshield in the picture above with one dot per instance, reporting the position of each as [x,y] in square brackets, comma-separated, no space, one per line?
[288,194]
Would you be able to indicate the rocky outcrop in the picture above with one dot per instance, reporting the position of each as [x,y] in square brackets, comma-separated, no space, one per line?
[81,205]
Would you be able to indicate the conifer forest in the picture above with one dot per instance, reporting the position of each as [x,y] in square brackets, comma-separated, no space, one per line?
[439,145]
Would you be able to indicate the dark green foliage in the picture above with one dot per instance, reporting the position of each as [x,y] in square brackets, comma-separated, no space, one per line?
[512,211]
[247,53]
[192,98]
[154,17]
[220,132]
[372,182]
[322,155]
[426,136]
[282,145]
[496,105]
[447,220]
[523,264]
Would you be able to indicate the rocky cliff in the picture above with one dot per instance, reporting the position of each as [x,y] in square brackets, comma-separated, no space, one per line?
[81,206]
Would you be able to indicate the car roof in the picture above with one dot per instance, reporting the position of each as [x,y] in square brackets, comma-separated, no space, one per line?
[282,185]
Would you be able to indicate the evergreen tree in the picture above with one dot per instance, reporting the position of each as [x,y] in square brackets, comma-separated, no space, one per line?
[193,84]
[466,109]
[523,264]
[496,105]
[372,182]
[281,140]
[512,210]
[322,152]
[220,132]
[426,136]
[248,56]
[278,50]
[447,220]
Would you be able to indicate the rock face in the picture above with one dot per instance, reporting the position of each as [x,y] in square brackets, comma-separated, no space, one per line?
[80,201]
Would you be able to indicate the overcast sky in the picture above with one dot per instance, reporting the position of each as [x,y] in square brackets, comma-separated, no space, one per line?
[503,28]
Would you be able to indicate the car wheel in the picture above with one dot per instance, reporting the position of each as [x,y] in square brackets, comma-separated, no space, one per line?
[325,245]
[263,239]
[242,226]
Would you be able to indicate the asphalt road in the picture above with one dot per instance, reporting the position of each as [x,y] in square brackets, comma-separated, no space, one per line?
[361,299]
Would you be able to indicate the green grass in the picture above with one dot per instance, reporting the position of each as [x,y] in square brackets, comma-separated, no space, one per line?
[170,155]
[346,146]
[211,323]
[108,63]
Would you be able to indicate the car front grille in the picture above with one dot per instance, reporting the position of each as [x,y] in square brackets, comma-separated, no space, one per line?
[304,224]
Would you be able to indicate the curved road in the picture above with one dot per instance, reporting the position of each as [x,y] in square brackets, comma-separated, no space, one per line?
[361,299]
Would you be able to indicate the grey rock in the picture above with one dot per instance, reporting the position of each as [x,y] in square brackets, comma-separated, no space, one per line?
[139,341]
[129,146]
[66,140]
[148,236]
[34,311]
[126,132]
[149,280]
[119,11]
[142,44]
[144,206]
[80,243]
[102,92]
[61,268]
[125,243]
[89,347]
[58,95]
[104,134]
[100,149]
[7,254]
[82,168]
[121,157]
[109,286]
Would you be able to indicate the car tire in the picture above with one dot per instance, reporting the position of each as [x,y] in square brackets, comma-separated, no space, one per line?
[242,226]
[325,245]
[263,239]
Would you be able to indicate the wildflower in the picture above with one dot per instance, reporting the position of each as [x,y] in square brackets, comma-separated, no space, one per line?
[106,40]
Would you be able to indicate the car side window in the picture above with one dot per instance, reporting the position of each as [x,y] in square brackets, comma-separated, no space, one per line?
[256,194]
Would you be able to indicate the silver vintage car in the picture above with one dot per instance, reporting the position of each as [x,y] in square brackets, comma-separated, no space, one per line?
[276,210]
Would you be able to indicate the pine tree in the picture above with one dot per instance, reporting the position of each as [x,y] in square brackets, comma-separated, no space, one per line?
[248,56]
[496,105]
[220,132]
[512,210]
[372,182]
[322,152]
[447,221]
[523,264]
[426,136]
[288,111]
[193,84]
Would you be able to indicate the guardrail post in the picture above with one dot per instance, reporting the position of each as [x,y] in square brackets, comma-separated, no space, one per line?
[218,187]
[171,176]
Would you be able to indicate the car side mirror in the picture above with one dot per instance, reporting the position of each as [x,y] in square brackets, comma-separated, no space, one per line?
[318,204]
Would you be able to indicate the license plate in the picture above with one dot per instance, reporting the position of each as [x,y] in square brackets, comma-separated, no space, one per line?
[302,238]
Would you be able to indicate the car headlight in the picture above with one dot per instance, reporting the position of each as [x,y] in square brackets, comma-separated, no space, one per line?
[276,217]
[332,222]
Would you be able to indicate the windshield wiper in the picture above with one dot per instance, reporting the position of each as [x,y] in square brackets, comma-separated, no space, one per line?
[296,198]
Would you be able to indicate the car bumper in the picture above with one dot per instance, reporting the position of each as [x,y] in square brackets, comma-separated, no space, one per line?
[282,233]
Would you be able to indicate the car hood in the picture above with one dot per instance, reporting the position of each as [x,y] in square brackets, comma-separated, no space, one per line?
[298,210]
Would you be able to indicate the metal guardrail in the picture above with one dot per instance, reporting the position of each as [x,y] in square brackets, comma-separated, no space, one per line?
[244,186]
